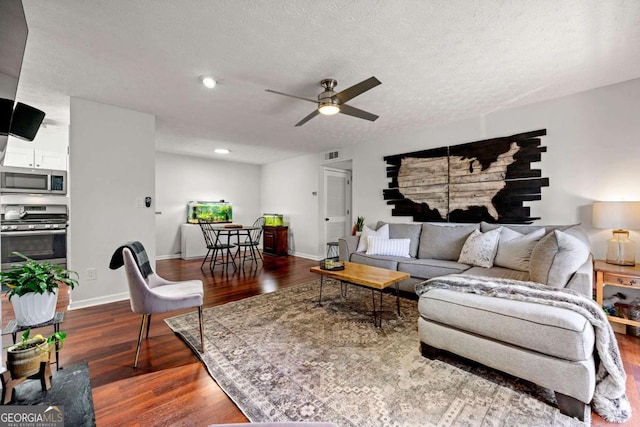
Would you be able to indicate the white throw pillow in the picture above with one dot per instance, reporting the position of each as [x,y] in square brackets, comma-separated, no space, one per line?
[480,248]
[366,232]
[393,247]
[514,249]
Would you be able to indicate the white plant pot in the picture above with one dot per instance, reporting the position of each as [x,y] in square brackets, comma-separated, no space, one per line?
[33,309]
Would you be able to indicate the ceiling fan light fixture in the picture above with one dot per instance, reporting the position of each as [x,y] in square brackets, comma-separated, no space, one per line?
[208,81]
[329,109]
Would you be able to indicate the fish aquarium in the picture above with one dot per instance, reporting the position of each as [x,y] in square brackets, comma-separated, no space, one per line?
[272,219]
[209,211]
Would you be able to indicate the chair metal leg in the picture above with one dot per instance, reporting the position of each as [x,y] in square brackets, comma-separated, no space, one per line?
[214,259]
[142,324]
[201,328]
[205,258]
[148,326]
[254,249]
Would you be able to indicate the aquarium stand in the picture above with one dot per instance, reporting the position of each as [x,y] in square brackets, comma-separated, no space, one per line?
[275,240]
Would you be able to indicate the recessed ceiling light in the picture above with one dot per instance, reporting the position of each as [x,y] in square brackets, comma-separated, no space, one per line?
[208,81]
[221,151]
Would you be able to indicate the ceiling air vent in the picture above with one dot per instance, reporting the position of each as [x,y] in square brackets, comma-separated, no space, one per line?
[331,155]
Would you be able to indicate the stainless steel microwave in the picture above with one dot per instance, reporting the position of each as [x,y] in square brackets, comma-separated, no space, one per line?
[34,181]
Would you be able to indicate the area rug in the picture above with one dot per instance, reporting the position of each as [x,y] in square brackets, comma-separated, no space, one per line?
[281,357]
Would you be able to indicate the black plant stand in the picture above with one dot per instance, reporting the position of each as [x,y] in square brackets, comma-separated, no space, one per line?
[13,328]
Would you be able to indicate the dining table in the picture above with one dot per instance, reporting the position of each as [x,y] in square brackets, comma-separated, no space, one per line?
[228,233]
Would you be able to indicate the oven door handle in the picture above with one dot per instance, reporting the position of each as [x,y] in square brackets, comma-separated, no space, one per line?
[32,233]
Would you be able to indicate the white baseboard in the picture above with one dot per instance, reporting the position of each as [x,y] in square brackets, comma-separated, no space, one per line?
[91,302]
[307,256]
[161,257]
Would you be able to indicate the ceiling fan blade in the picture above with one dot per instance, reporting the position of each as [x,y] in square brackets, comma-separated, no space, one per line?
[315,101]
[356,112]
[309,117]
[357,89]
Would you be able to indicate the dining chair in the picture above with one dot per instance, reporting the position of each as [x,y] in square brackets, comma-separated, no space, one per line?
[251,242]
[214,246]
[153,294]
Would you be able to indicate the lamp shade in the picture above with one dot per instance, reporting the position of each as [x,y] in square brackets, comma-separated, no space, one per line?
[619,215]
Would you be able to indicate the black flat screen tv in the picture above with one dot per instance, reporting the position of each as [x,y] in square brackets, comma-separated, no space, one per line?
[26,121]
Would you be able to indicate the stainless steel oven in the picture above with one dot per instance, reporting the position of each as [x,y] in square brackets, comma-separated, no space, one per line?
[37,231]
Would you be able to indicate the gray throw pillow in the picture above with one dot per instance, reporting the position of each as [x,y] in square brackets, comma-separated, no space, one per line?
[514,248]
[556,257]
[443,241]
[405,231]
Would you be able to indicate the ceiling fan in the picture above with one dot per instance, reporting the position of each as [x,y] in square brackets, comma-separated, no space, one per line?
[329,102]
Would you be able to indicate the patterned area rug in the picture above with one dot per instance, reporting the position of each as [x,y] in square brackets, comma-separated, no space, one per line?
[281,357]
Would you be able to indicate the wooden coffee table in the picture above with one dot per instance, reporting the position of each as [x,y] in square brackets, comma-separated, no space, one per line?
[374,278]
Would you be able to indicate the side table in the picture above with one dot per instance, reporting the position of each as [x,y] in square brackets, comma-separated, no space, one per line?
[619,276]
[13,328]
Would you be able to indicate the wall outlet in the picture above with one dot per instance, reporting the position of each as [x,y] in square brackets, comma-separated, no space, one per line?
[92,273]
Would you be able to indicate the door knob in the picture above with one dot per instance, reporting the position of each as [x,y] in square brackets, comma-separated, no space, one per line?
[326,219]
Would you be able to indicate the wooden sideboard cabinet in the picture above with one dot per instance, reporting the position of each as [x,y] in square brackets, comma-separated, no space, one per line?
[275,240]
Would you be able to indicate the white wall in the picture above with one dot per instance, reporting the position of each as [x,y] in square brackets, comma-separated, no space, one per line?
[592,154]
[287,189]
[180,179]
[112,166]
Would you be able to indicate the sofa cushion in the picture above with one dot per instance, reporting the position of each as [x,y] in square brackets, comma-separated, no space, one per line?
[394,247]
[443,241]
[498,272]
[405,231]
[556,257]
[480,248]
[382,261]
[428,268]
[520,228]
[555,331]
[514,248]
[366,232]
[523,228]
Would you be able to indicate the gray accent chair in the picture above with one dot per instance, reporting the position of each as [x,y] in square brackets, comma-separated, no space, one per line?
[157,295]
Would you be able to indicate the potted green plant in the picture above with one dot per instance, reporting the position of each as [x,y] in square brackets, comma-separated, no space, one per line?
[33,289]
[357,227]
[23,358]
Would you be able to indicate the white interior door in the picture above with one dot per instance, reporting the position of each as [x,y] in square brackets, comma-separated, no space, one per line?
[337,184]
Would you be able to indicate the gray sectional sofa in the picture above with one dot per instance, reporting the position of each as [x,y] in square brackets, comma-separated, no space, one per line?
[550,346]
[435,250]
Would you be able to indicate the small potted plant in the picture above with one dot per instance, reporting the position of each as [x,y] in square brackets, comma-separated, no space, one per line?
[23,358]
[357,227]
[33,289]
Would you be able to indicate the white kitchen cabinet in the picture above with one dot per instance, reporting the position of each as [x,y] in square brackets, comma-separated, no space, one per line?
[39,159]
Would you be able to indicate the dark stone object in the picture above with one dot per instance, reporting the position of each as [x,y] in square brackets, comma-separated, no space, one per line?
[70,389]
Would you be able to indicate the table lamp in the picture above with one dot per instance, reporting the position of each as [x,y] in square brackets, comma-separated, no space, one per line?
[620,216]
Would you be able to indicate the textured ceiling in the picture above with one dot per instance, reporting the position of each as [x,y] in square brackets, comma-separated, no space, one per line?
[438,61]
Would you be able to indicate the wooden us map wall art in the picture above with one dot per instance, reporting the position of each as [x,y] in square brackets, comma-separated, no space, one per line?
[485,180]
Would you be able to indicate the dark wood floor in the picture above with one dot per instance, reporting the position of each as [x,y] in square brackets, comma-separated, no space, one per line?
[171,387]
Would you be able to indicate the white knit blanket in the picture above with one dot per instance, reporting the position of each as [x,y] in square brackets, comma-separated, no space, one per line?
[609,400]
